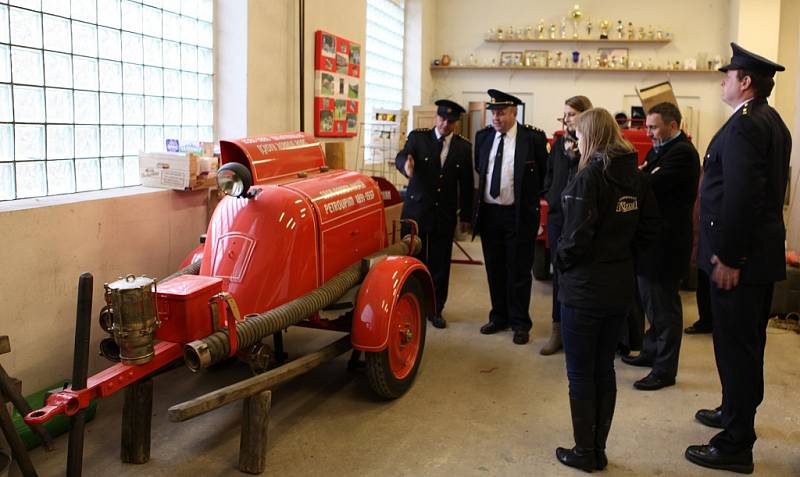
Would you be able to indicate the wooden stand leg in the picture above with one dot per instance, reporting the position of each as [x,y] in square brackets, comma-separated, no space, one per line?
[136,416]
[255,421]
[18,450]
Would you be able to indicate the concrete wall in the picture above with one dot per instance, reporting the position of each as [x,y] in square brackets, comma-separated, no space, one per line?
[462,26]
[46,248]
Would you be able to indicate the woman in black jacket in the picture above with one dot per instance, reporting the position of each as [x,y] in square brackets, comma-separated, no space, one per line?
[609,212]
[562,164]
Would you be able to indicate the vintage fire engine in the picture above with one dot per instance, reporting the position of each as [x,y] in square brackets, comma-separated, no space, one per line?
[293,243]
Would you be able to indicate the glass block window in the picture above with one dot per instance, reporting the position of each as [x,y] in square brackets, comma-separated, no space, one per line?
[85,85]
[383,66]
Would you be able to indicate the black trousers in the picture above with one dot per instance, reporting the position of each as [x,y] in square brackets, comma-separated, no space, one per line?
[590,340]
[703,300]
[437,251]
[553,233]
[508,255]
[740,334]
[661,301]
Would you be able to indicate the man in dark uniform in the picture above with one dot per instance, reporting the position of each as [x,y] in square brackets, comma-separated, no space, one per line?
[672,167]
[742,249]
[437,164]
[511,160]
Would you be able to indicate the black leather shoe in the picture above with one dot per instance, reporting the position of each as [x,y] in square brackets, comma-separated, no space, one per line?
[696,330]
[653,382]
[438,321]
[713,458]
[492,328]
[710,417]
[641,360]
[521,337]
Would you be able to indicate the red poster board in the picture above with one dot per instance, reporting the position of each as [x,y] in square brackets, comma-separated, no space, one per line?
[337,69]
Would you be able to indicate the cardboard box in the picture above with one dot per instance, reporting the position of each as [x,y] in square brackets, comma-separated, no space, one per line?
[658,93]
[177,170]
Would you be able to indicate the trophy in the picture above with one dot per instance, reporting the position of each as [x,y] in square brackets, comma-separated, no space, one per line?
[558,61]
[620,29]
[630,31]
[563,30]
[510,33]
[641,33]
[540,29]
[529,32]
[650,33]
[552,31]
[576,14]
[500,34]
[604,29]
[589,29]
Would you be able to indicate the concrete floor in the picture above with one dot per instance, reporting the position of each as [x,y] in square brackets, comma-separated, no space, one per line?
[481,406]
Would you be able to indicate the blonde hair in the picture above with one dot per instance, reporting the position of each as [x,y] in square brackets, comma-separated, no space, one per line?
[601,136]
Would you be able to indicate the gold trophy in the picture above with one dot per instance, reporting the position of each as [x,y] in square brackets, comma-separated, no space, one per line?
[576,14]
[604,29]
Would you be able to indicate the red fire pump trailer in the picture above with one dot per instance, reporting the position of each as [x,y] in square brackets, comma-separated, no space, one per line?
[293,243]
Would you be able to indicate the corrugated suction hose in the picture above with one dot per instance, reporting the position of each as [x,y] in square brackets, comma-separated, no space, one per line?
[214,348]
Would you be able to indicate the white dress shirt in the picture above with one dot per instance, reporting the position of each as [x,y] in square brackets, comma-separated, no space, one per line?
[506,196]
[445,146]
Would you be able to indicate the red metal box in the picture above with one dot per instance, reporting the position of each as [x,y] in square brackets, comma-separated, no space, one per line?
[183,309]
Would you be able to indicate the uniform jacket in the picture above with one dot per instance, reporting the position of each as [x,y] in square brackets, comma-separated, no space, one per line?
[673,172]
[742,194]
[561,168]
[436,193]
[608,215]
[530,162]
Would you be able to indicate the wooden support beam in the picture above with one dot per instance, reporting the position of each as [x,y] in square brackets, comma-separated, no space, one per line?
[137,414]
[249,387]
[20,453]
[255,424]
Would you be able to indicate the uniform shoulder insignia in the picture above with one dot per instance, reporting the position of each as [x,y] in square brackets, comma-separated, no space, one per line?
[533,128]
[422,130]
[462,137]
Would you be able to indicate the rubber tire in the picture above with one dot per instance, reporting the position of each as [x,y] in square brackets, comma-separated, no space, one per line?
[379,373]
[541,261]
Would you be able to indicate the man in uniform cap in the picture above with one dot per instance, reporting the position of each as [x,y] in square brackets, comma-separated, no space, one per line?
[742,249]
[511,160]
[437,164]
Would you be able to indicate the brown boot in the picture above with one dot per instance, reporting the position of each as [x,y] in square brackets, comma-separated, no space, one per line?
[554,343]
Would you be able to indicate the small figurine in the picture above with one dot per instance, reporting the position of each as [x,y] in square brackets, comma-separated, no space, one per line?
[589,29]
[540,29]
[650,33]
[510,33]
[552,31]
[558,60]
[641,33]
[630,30]
[529,33]
[659,34]
[620,29]
[500,35]
[491,34]
[563,30]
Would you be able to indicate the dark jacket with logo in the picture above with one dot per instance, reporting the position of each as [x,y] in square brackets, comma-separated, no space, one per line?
[530,162]
[562,164]
[741,197]
[673,172]
[437,192]
[608,215]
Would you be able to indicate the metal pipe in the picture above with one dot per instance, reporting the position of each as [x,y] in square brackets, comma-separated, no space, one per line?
[214,348]
[301,48]
[80,371]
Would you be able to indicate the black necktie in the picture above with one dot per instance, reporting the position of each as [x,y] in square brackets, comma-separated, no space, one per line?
[438,148]
[494,190]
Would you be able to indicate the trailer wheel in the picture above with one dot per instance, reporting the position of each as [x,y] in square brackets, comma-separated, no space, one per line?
[541,261]
[392,371]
